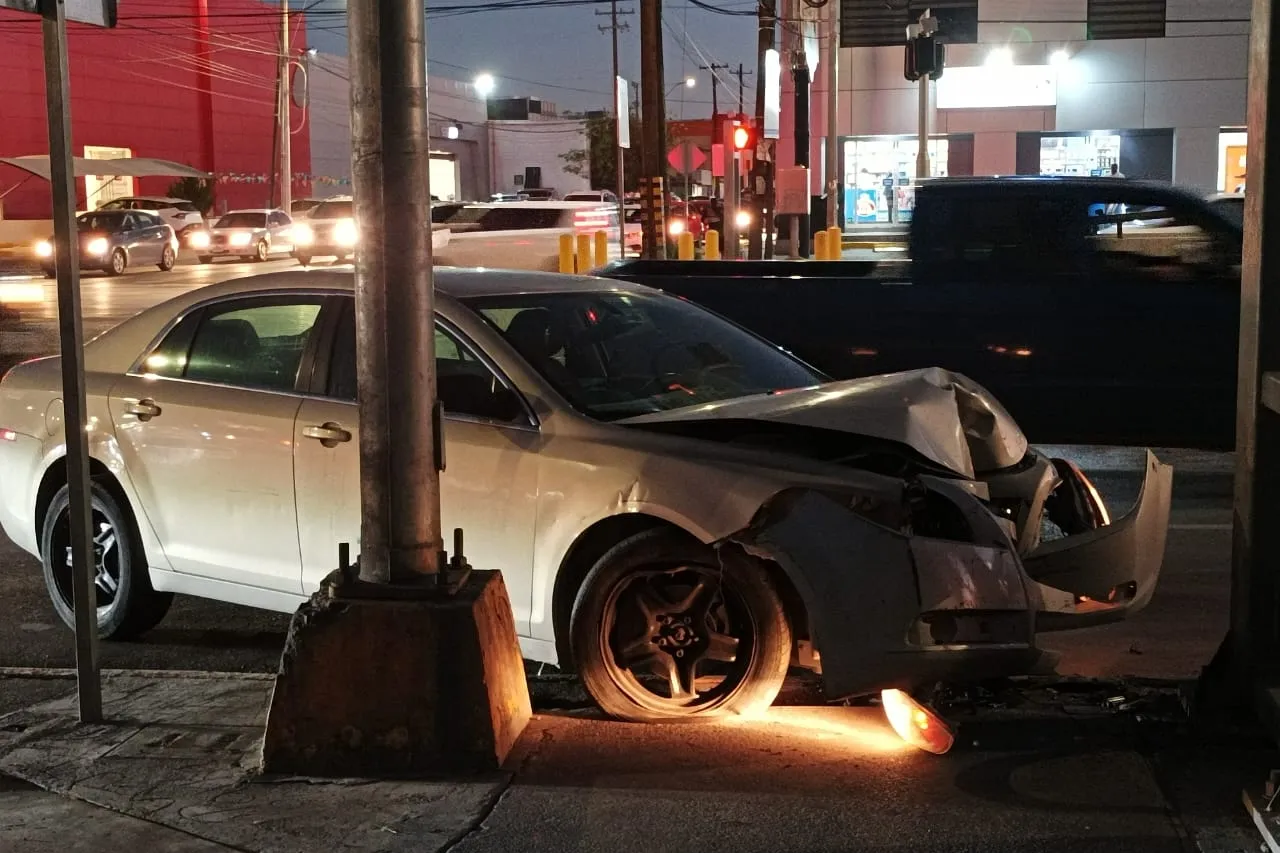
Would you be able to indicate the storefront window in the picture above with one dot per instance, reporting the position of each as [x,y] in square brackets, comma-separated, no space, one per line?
[1232,145]
[879,177]
[1091,154]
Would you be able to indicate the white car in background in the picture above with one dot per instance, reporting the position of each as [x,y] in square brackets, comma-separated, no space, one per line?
[183,216]
[591,195]
[522,235]
[245,234]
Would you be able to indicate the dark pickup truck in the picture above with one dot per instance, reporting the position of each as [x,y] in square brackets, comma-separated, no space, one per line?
[1099,311]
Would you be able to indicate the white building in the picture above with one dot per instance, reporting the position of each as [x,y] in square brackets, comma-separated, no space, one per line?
[529,139]
[1031,93]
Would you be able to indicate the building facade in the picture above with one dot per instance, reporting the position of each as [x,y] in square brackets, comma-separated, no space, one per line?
[197,86]
[1027,90]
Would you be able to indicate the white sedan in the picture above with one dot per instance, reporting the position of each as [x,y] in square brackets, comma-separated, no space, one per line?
[680,509]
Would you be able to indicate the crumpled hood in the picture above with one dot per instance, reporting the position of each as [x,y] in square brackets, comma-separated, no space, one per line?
[946,417]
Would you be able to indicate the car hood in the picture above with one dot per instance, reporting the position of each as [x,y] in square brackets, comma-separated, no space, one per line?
[944,416]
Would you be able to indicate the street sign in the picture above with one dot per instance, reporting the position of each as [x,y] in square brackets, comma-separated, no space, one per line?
[686,158]
[622,113]
[772,94]
[99,13]
[792,188]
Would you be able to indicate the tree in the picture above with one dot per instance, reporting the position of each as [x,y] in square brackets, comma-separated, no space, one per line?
[598,162]
[198,191]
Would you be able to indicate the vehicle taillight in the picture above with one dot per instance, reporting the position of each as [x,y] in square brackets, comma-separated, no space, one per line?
[8,435]
[590,220]
[916,724]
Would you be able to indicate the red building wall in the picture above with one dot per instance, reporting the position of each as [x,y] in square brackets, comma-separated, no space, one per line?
[185,80]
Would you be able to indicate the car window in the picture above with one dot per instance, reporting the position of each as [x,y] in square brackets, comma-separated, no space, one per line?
[129,223]
[1128,237]
[184,206]
[614,355]
[248,343]
[242,219]
[148,220]
[519,218]
[279,218]
[116,204]
[97,221]
[465,384]
[333,210]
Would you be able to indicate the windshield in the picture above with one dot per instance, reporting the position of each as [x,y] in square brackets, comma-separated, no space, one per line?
[99,221]
[333,210]
[243,220]
[615,355]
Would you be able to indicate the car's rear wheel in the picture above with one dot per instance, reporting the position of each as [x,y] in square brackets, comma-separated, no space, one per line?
[205,259]
[303,258]
[167,259]
[261,251]
[117,263]
[127,604]
[666,630]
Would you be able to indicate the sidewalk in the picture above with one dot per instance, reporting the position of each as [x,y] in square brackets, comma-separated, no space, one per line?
[1038,766]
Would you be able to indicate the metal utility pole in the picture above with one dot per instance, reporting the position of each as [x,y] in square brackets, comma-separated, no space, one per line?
[761,242]
[71,340]
[614,28]
[654,128]
[918,34]
[833,124]
[800,235]
[286,148]
[395,301]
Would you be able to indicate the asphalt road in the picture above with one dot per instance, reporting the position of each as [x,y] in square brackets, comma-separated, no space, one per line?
[1173,638]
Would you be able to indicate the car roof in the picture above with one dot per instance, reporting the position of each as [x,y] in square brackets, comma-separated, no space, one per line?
[252,210]
[162,198]
[547,204]
[1078,182]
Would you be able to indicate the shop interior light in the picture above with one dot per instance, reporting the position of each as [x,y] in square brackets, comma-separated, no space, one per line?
[1059,58]
[916,724]
[1000,56]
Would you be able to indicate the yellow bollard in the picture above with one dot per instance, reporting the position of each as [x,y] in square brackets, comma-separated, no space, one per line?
[685,246]
[602,248]
[835,243]
[566,253]
[584,253]
[820,246]
[711,251]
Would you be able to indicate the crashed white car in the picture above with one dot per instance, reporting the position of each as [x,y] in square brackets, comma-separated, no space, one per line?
[680,509]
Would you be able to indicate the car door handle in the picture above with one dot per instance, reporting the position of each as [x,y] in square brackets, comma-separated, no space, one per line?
[144,409]
[329,434]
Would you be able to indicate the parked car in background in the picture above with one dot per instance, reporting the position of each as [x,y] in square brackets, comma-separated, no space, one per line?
[591,195]
[681,509]
[328,230]
[246,234]
[301,206]
[114,240]
[182,215]
[524,235]
[538,194]
[683,218]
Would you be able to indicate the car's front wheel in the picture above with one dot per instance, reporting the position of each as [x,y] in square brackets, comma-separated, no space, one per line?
[117,263]
[261,251]
[126,602]
[167,259]
[666,630]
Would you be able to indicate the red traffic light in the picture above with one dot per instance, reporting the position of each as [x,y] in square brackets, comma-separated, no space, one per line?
[741,138]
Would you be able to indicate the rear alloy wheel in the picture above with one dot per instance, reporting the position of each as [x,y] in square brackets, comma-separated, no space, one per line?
[126,602]
[260,251]
[117,263]
[167,259]
[666,630]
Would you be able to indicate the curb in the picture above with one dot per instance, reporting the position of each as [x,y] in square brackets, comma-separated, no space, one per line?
[43,673]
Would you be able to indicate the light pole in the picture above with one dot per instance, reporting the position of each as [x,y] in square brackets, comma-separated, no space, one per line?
[687,83]
[484,85]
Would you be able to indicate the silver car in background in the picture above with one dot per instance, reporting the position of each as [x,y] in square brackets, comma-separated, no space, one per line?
[114,240]
[247,235]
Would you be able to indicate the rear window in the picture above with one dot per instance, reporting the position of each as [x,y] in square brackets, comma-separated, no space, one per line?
[243,220]
[100,221]
[333,210]
[186,206]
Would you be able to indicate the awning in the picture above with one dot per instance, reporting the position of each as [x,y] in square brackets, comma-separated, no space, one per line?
[137,167]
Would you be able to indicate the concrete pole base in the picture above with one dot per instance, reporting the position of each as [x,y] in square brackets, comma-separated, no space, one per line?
[415,685]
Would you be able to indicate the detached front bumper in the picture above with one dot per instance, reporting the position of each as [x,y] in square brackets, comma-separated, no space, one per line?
[1107,574]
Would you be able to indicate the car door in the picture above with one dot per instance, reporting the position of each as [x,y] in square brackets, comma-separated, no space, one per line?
[205,428]
[279,225]
[128,238]
[155,235]
[489,486]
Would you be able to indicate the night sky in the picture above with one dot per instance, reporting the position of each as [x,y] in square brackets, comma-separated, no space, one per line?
[559,55]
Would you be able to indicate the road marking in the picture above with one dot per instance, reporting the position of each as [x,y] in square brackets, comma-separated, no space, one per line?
[1199,526]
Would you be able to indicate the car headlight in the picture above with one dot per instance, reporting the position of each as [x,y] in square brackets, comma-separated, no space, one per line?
[200,240]
[97,246]
[303,235]
[240,239]
[743,218]
[44,249]
[676,228]
[344,233]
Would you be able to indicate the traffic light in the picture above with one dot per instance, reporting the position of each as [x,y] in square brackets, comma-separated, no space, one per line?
[744,137]
[924,55]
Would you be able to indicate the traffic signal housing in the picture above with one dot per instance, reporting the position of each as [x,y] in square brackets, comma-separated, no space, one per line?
[743,137]
[925,55]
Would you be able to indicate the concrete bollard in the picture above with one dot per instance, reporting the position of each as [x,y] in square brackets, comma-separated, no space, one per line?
[684,247]
[584,253]
[602,248]
[820,246]
[711,251]
[566,253]
[835,243]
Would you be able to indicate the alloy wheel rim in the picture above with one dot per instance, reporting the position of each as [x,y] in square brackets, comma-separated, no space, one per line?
[679,640]
[117,262]
[105,546]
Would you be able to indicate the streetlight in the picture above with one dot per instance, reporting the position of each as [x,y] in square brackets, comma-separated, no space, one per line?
[485,84]
[688,83]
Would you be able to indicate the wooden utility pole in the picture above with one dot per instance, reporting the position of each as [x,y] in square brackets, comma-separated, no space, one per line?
[620,115]
[760,243]
[654,129]
[741,74]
